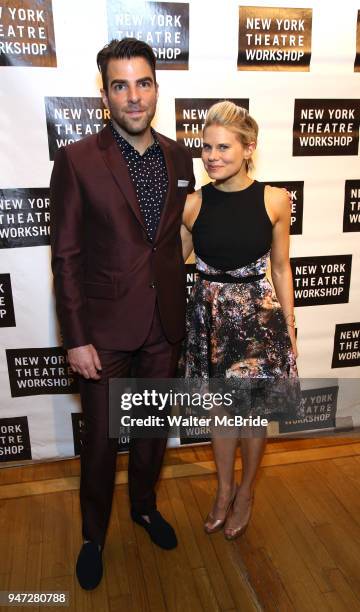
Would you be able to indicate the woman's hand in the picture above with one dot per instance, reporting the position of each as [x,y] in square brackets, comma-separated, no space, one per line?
[291,330]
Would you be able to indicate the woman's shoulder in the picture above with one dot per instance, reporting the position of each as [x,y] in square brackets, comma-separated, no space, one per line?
[277,196]
[277,203]
[194,198]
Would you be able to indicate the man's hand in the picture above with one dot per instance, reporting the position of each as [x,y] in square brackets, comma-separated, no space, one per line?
[85,361]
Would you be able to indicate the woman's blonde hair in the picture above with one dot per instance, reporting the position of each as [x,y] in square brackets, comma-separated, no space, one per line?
[237,119]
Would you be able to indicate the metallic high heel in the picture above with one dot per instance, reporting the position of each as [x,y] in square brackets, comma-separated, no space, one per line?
[212,524]
[231,533]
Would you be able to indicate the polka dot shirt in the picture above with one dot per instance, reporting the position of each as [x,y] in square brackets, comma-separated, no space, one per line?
[149,176]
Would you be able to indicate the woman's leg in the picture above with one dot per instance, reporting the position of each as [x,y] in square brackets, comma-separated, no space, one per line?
[224,448]
[253,442]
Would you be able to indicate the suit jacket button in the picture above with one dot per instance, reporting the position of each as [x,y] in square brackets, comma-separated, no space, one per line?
[154,249]
[152,285]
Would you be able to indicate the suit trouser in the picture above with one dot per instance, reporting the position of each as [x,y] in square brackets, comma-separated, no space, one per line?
[156,358]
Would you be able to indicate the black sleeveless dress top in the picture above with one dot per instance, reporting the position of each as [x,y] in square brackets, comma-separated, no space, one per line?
[232,229]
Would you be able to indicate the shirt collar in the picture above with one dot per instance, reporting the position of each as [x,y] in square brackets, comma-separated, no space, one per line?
[125,145]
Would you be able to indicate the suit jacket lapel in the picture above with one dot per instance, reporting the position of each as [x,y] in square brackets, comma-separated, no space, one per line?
[117,166]
[166,149]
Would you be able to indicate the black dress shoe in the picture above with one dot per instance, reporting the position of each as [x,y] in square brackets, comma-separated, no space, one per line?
[89,568]
[159,530]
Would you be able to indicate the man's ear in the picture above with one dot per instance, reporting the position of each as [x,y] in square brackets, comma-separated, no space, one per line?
[104,97]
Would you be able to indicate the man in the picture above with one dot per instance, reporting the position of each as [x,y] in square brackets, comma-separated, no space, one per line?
[116,204]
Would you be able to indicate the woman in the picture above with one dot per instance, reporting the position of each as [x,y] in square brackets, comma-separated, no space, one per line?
[236,325]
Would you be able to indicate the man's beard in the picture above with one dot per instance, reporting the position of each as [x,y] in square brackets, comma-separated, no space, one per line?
[132,127]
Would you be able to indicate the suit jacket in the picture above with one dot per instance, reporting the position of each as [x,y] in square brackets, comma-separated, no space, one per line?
[107,274]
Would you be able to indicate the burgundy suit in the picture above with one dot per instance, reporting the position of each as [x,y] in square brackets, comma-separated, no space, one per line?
[120,292]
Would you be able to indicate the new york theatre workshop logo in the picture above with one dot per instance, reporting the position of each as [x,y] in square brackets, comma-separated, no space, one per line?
[190,119]
[27,33]
[162,25]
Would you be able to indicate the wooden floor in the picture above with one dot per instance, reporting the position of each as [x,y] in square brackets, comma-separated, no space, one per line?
[301,551]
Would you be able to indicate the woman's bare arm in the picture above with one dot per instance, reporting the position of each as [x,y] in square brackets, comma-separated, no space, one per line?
[191,211]
[278,205]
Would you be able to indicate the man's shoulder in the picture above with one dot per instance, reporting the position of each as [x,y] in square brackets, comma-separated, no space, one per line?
[173,144]
[79,147]
[88,144]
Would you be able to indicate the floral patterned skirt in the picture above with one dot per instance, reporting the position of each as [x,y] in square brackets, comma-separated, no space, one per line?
[238,330]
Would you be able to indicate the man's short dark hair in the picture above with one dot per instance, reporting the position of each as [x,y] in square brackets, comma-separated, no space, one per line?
[124,49]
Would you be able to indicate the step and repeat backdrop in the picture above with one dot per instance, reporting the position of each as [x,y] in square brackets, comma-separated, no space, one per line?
[294,65]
